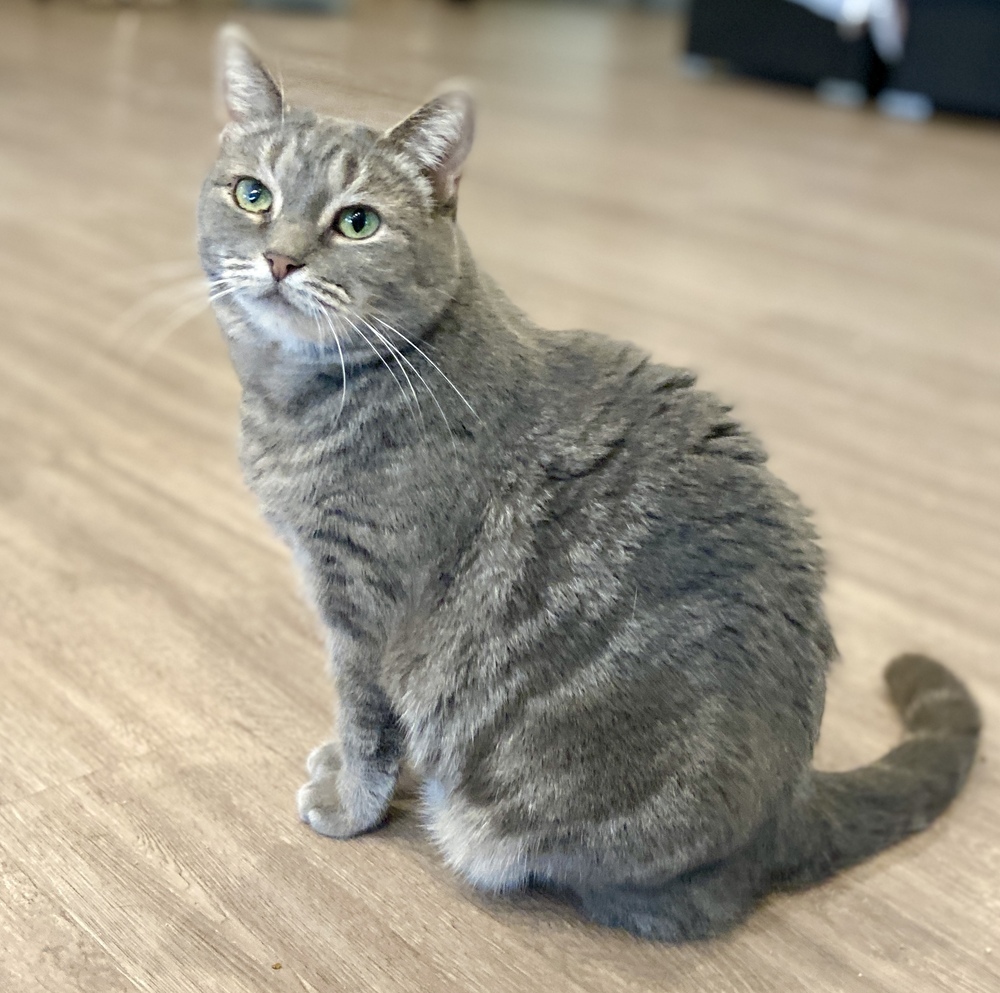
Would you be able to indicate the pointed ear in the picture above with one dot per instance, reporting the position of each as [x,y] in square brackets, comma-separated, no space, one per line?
[247,91]
[439,136]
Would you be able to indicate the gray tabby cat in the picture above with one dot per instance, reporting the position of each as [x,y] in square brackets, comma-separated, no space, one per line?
[558,580]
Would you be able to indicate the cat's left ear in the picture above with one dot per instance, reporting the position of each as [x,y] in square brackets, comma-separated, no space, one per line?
[247,91]
[439,136]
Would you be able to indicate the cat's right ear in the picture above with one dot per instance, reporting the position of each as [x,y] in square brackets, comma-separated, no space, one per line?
[247,91]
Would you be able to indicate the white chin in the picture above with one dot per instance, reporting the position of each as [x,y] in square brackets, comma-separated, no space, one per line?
[279,320]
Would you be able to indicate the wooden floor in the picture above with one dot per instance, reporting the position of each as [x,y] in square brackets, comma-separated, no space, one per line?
[835,274]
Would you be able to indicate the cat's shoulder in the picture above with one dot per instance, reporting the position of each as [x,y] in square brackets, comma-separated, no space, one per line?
[588,358]
[604,393]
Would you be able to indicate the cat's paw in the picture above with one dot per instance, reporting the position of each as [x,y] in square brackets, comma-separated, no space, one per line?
[321,801]
[321,808]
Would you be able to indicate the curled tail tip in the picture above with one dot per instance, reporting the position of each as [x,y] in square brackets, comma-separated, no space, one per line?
[930,698]
[911,674]
[850,816]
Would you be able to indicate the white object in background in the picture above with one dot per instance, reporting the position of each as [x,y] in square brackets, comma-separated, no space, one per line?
[885,20]
[905,105]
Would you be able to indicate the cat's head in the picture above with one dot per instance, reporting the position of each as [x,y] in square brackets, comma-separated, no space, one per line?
[319,232]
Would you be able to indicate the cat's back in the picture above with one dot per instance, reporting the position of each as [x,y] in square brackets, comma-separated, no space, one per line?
[681,482]
[656,485]
[609,412]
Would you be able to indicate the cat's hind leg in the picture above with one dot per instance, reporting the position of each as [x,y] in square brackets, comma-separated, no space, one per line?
[486,860]
[703,903]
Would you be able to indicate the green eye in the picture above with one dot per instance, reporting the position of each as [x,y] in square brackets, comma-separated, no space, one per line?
[357,222]
[252,195]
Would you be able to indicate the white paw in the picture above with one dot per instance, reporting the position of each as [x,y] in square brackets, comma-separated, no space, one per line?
[320,807]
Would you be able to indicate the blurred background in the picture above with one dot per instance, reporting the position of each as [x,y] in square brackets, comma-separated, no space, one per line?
[796,198]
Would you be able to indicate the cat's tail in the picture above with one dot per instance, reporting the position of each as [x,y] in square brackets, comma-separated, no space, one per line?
[849,816]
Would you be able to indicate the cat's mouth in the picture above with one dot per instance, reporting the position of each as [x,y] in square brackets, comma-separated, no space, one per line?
[302,299]
[271,303]
[292,314]
[278,295]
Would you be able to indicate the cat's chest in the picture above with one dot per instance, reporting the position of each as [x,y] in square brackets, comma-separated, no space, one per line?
[339,504]
[288,475]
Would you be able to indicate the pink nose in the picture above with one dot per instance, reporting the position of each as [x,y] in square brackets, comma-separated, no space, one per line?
[281,265]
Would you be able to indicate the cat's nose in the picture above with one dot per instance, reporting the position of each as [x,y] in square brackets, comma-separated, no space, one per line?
[282,265]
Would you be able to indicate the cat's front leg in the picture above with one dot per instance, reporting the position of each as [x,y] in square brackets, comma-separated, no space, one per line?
[352,779]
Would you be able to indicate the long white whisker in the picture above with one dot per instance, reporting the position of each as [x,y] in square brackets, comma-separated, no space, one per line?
[161,335]
[181,316]
[230,286]
[443,374]
[368,342]
[126,322]
[318,312]
[401,358]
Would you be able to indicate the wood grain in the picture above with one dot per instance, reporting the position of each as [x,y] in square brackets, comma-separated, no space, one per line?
[835,274]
